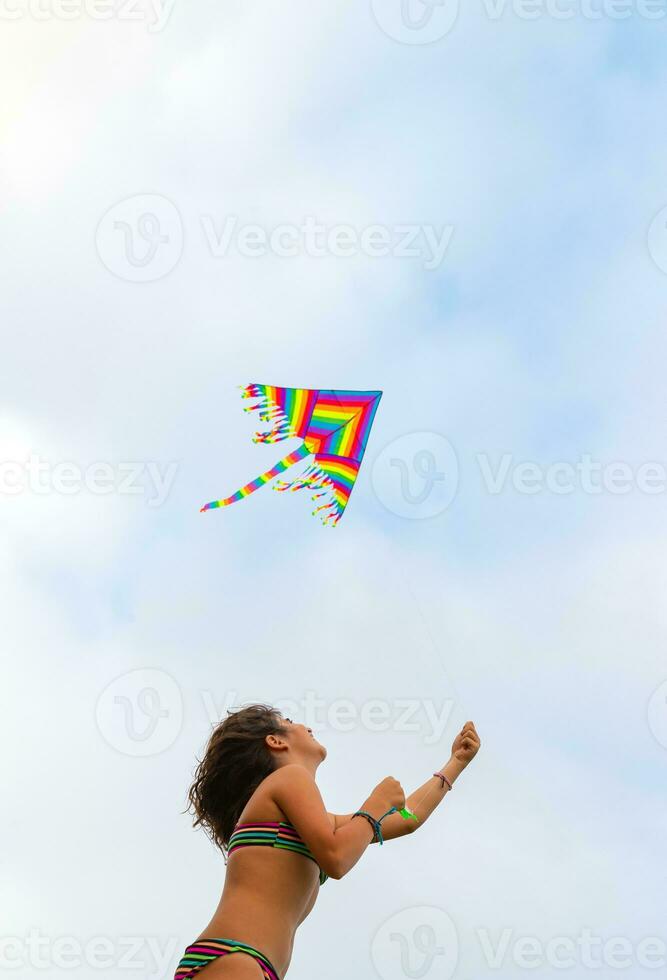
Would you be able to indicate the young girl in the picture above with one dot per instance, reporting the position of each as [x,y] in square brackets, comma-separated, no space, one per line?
[256,796]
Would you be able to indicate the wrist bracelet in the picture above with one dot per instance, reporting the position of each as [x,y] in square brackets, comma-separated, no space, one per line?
[375,824]
[441,775]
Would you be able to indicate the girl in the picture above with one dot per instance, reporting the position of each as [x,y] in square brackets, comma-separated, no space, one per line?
[255,794]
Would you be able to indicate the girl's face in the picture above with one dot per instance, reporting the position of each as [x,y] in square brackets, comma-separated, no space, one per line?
[302,739]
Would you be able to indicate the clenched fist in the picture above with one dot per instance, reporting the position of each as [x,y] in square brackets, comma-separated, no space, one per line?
[466,744]
[389,793]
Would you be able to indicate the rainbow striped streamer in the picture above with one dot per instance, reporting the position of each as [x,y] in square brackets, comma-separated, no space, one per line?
[334,426]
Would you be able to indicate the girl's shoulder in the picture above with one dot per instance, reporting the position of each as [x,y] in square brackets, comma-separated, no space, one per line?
[263,805]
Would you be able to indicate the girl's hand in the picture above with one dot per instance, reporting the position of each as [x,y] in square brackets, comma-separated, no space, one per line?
[387,794]
[466,744]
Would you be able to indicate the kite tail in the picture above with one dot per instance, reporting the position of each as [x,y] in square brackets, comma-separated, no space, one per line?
[270,412]
[249,488]
[314,478]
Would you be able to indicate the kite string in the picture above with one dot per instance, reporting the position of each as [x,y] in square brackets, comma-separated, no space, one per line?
[402,571]
[426,794]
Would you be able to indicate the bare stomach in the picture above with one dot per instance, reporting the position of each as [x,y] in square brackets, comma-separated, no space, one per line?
[267,895]
[237,967]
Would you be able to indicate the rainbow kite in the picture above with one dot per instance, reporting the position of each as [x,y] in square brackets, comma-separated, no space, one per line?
[334,426]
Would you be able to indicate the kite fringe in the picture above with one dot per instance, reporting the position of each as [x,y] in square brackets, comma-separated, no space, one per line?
[314,478]
[269,412]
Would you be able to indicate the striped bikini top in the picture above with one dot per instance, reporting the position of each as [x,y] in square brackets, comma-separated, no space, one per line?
[270,834]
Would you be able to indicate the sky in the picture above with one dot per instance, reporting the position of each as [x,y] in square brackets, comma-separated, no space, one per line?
[463,207]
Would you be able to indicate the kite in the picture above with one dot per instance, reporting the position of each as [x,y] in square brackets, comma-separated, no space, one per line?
[334,426]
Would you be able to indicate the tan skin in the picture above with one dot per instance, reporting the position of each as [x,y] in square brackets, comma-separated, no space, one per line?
[269,892]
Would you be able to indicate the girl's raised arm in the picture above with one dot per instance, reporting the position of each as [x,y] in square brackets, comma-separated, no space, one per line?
[427,797]
[335,848]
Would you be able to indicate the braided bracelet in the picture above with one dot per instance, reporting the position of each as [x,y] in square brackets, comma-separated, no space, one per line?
[441,776]
[375,824]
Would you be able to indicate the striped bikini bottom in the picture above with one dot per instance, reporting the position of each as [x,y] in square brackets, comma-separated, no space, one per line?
[205,951]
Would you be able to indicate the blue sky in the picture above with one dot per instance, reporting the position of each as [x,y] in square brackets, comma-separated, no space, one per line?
[539,338]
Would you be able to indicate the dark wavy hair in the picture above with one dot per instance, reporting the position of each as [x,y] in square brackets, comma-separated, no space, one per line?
[235,762]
